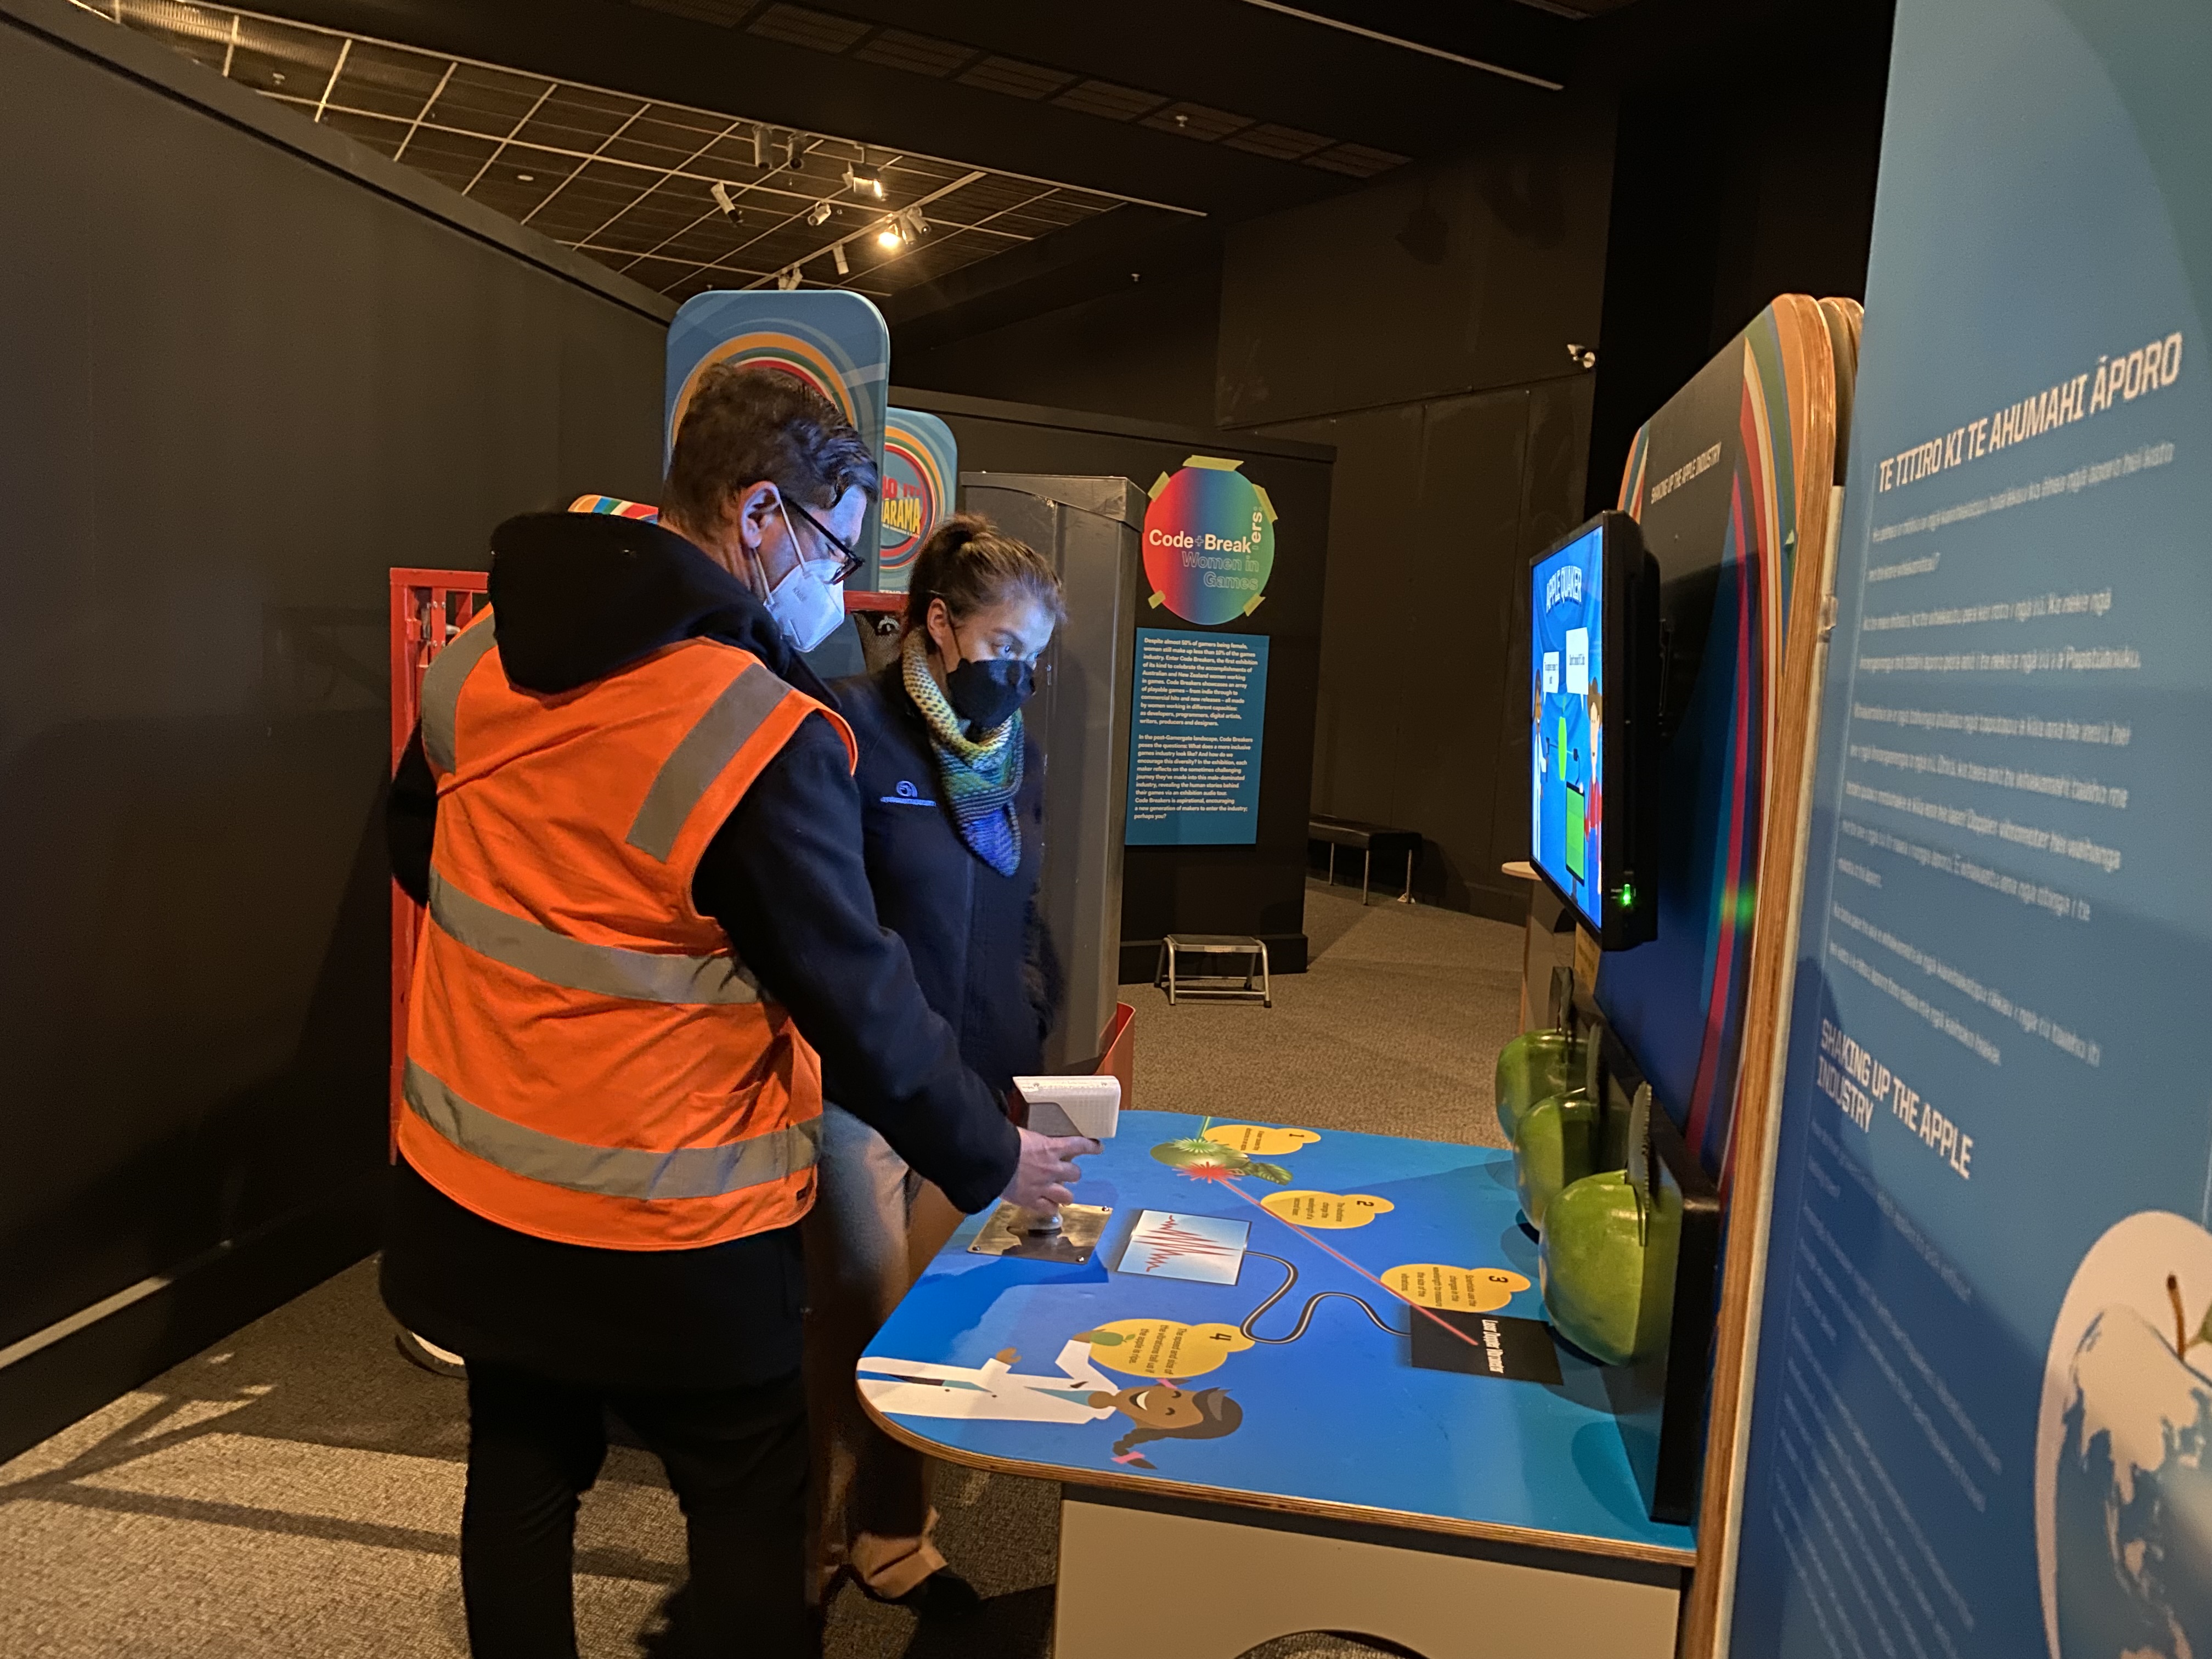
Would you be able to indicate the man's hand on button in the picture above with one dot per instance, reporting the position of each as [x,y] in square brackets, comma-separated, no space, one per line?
[1047,1170]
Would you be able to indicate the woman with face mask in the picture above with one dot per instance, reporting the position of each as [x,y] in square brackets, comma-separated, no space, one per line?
[952,800]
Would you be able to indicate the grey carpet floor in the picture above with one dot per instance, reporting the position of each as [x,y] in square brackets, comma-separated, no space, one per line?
[296,1490]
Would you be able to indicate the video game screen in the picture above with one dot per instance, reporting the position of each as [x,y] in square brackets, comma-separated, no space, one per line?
[1567,748]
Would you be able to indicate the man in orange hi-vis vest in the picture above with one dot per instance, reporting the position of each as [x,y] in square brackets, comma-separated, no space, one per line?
[628,809]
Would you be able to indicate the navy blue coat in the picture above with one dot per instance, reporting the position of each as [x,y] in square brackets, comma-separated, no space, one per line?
[980,949]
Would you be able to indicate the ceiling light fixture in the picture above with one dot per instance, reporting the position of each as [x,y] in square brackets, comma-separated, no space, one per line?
[818,214]
[865,181]
[889,237]
[526,178]
[787,278]
[838,254]
[723,199]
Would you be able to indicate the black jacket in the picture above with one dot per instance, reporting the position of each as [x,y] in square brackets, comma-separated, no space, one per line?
[578,597]
[979,945]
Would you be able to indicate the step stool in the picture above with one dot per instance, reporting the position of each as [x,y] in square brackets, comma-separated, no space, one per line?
[1177,983]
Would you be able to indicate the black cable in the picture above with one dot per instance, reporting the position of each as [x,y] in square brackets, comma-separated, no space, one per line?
[1305,1318]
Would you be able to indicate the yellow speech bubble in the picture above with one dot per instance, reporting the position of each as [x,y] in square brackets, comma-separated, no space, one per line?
[1163,1347]
[1456,1290]
[1256,1141]
[1307,1209]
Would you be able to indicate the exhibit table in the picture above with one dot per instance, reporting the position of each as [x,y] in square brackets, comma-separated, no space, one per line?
[1300,1382]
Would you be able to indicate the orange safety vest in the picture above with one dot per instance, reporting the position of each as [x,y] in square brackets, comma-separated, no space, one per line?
[587,1059]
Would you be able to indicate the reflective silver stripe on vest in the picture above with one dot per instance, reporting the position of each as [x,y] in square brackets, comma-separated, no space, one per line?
[608,970]
[708,748]
[611,1171]
[441,690]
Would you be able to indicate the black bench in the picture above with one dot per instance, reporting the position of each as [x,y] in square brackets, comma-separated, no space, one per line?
[1368,840]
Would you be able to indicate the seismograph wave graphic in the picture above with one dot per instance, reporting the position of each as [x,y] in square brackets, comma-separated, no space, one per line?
[1173,1242]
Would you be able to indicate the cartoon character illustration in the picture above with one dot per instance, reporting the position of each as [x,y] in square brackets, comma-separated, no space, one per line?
[1162,1411]
[1078,1393]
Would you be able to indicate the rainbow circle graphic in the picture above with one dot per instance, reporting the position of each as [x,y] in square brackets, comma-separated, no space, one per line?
[1209,542]
[913,498]
[773,348]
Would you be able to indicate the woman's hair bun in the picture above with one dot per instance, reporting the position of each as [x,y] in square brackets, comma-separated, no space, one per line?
[971,564]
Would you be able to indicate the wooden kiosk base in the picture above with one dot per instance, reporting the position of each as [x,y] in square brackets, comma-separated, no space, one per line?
[1209,1581]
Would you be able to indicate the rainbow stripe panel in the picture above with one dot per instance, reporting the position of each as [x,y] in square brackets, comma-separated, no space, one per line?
[618,506]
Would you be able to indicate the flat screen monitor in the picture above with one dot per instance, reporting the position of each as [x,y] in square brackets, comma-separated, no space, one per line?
[1594,696]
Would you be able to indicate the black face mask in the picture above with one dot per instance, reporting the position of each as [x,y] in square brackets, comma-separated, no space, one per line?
[985,693]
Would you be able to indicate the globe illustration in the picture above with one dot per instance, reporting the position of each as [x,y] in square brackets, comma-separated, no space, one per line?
[2123,1485]
[2134,1499]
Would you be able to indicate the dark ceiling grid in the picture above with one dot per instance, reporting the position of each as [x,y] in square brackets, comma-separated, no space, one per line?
[1104,98]
[638,109]
[421,115]
[1015,78]
[922,54]
[589,240]
[630,181]
[723,14]
[1197,121]
[1282,143]
[918,54]
[798,25]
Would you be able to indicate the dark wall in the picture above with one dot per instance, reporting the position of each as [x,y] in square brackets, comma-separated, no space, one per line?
[1463,276]
[1258,890]
[1711,155]
[1720,201]
[1145,351]
[1421,326]
[249,368]
[1437,508]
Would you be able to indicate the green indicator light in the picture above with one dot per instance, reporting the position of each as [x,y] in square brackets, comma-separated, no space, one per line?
[1625,895]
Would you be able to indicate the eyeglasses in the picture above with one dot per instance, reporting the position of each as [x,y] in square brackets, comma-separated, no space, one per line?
[850,562]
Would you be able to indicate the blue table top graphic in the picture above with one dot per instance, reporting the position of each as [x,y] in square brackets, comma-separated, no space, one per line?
[1315,1404]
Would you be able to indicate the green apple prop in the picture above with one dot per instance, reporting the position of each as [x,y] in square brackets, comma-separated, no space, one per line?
[1607,1259]
[1532,1066]
[1553,1144]
[1539,1063]
[1556,1142]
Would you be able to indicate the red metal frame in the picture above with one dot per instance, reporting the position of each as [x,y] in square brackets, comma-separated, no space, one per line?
[429,607]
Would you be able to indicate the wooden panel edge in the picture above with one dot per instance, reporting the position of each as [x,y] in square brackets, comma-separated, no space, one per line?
[1561,1542]
[1774,949]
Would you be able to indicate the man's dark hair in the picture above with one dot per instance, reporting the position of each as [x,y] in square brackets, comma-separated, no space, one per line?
[746,422]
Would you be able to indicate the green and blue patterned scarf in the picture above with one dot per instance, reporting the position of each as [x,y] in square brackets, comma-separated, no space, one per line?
[980,778]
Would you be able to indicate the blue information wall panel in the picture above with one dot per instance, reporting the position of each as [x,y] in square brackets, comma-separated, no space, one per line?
[1983,1401]
[1195,724]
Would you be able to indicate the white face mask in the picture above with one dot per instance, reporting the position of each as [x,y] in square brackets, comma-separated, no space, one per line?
[807,608]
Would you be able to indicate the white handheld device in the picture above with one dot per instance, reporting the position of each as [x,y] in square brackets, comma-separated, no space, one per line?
[1072,1105]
